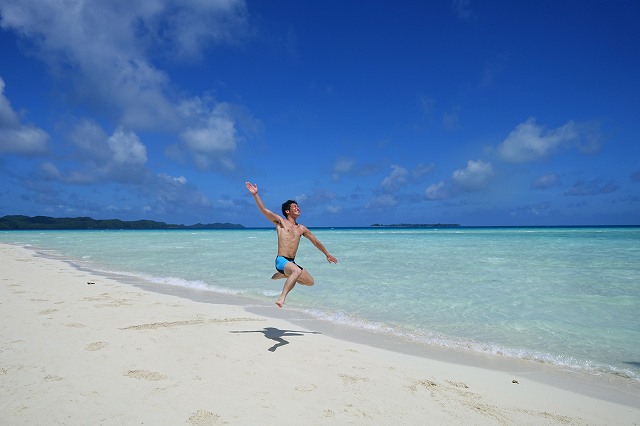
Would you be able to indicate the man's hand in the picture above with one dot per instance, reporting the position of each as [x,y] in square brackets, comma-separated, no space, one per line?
[331,259]
[253,189]
[274,218]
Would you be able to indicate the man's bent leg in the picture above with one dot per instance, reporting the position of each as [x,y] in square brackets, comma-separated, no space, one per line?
[305,278]
[278,276]
[293,272]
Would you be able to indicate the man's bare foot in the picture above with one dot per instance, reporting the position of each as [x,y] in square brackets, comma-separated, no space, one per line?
[280,303]
[278,276]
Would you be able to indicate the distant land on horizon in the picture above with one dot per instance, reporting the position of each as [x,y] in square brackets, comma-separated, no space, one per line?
[417,225]
[18,222]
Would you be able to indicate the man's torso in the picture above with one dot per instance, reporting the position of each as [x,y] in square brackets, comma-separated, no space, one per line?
[289,238]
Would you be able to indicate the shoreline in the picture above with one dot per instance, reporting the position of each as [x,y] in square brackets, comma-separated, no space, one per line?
[115,352]
[605,386]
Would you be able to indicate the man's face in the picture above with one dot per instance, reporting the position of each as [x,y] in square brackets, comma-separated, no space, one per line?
[294,210]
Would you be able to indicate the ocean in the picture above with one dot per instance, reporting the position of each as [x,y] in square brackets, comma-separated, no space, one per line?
[569,297]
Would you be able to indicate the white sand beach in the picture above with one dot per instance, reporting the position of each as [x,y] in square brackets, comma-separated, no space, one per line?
[77,348]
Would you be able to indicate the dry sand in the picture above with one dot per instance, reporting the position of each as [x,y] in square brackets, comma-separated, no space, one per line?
[111,353]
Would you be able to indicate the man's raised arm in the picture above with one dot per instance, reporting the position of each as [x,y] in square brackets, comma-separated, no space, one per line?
[253,189]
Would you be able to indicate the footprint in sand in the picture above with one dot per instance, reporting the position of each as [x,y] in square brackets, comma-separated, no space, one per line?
[427,384]
[306,388]
[461,385]
[145,375]
[47,311]
[348,379]
[95,346]
[204,417]
[329,413]
[75,325]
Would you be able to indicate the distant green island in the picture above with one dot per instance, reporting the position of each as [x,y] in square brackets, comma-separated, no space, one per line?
[17,222]
[417,225]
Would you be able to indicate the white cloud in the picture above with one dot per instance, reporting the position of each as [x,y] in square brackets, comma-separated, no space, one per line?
[437,191]
[120,157]
[213,140]
[8,117]
[530,141]
[545,181]
[90,139]
[17,138]
[127,149]
[108,46]
[474,177]
[172,180]
[301,198]
[51,170]
[174,194]
[24,140]
[422,170]
[127,159]
[342,166]
[592,187]
[189,29]
[75,177]
[395,180]
[381,201]
[399,177]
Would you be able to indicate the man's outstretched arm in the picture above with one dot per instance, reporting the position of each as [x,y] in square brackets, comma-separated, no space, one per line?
[253,189]
[316,242]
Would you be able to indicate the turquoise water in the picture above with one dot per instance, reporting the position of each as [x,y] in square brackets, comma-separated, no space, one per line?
[564,296]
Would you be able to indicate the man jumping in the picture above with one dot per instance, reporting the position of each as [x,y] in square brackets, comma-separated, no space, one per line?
[289,233]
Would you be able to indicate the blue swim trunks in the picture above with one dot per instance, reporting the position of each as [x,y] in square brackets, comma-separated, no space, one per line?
[282,260]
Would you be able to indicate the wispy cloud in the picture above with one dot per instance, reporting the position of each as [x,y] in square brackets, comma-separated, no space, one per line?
[530,141]
[545,181]
[109,48]
[462,8]
[395,180]
[16,137]
[342,166]
[473,177]
[476,176]
[593,187]
[104,57]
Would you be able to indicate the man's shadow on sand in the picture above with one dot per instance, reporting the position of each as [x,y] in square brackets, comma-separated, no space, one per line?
[277,335]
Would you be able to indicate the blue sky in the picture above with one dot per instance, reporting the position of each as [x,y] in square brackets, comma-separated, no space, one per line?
[451,111]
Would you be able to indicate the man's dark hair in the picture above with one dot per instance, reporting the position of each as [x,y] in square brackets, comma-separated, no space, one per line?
[287,206]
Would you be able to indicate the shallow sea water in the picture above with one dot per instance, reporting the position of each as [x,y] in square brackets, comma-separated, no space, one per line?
[564,296]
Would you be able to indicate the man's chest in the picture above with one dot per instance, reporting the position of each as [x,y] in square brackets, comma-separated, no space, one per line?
[290,232]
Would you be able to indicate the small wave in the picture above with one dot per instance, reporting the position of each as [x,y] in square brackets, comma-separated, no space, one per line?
[192,284]
[174,281]
[436,339]
[348,320]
